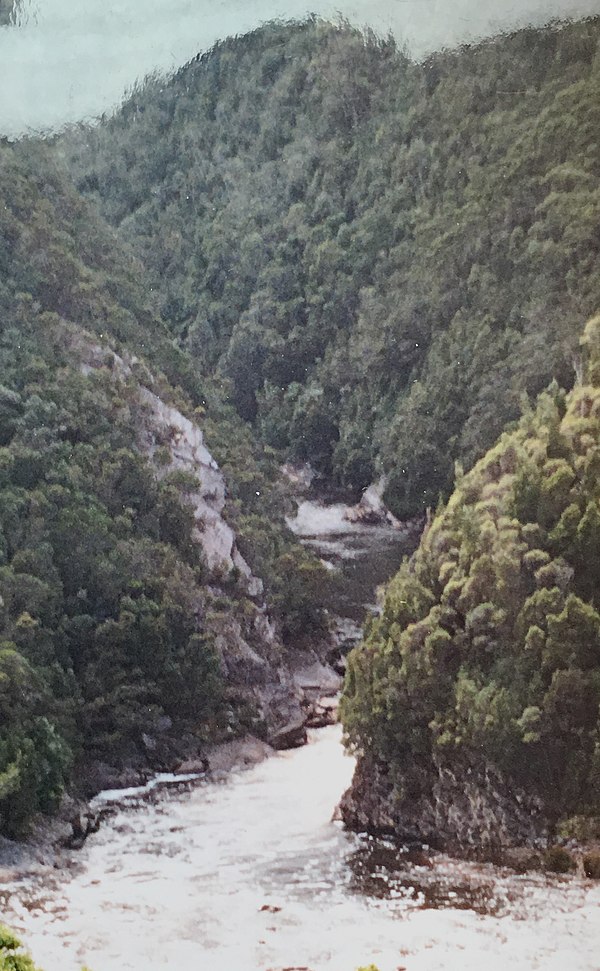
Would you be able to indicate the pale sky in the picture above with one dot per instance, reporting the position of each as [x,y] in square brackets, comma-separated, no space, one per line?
[74,59]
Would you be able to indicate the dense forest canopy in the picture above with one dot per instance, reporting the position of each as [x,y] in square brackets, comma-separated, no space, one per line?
[487,652]
[383,258]
[109,612]
[309,247]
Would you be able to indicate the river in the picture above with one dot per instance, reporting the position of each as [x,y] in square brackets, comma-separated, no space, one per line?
[251,873]
[363,557]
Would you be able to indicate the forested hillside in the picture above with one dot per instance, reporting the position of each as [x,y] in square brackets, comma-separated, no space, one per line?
[373,265]
[134,588]
[474,700]
[382,257]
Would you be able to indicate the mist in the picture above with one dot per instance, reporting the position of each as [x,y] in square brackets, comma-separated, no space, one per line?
[62,63]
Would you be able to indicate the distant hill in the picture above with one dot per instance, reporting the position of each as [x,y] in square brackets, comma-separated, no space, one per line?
[383,258]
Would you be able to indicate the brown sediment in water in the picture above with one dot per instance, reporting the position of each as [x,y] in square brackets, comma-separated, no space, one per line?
[252,873]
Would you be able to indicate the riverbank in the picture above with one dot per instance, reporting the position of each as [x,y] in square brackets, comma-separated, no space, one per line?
[53,842]
[478,810]
[245,866]
[252,873]
[313,692]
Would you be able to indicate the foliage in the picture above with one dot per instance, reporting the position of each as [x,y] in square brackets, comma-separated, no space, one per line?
[381,257]
[373,265]
[488,648]
[12,957]
[559,860]
[107,609]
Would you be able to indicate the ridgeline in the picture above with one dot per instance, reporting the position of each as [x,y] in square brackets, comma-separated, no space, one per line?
[306,246]
[383,258]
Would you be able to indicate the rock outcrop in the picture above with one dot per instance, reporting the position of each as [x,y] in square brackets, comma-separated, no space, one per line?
[283,691]
[180,444]
[371,510]
[474,812]
[174,443]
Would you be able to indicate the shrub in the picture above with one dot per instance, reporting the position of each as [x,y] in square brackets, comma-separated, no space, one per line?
[12,957]
[557,859]
[591,865]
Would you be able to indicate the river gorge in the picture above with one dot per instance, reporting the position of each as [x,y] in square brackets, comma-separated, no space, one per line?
[250,871]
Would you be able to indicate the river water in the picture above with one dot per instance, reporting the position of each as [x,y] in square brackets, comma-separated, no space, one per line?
[362,557]
[251,873]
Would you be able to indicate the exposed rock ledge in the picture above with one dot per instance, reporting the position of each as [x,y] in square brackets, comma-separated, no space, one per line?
[476,813]
[371,510]
[173,443]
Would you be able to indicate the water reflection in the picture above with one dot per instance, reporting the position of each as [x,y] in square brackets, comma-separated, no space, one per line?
[420,880]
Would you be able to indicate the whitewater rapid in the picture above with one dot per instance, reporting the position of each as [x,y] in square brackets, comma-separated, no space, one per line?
[253,875]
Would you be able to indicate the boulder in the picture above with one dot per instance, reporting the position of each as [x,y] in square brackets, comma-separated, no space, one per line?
[321,713]
[317,678]
[291,735]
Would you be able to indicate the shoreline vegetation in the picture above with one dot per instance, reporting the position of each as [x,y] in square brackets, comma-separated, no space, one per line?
[473,702]
[151,594]
[12,955]
[306,248]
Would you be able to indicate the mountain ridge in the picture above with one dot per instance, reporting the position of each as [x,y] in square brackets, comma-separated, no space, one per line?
[337,230]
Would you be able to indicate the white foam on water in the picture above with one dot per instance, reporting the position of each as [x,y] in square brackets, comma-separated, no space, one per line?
[253,875]
[317,519]
[160,780]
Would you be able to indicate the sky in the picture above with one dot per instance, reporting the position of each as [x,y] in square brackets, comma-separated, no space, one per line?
[72,60]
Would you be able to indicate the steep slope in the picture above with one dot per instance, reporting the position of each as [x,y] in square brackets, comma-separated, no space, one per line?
[148,587]
[474,701]
[382,257]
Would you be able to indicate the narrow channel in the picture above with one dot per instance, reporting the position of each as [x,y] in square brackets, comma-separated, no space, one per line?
[253,873]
